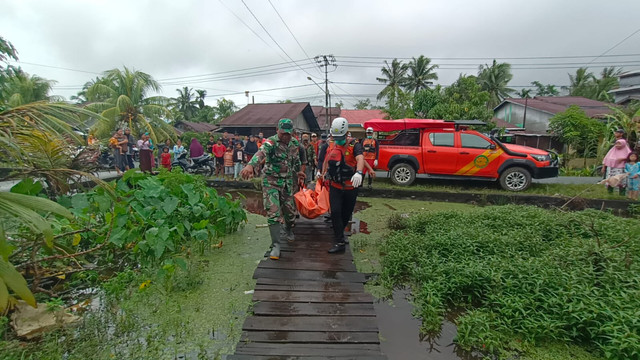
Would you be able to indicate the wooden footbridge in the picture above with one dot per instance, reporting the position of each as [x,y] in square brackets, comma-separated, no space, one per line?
[310,305]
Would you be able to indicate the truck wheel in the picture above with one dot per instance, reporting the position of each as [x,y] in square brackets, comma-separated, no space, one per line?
[515,179]
[403,174]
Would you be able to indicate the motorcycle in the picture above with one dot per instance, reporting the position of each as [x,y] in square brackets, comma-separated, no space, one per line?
[199,165]
[106,160]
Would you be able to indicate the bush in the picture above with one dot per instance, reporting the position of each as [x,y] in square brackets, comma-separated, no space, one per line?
[524,275]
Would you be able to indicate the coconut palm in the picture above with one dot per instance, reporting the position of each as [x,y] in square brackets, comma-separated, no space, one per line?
[581,84]
[126,103]
[421,72]
[200,98]
[608,81]
[524,94]
[21,88]
[393,77]
[494,79]
[184,103]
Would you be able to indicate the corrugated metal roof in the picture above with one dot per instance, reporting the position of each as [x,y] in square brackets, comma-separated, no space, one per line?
[358,117]
[267,115]
[195,126]
[556,104]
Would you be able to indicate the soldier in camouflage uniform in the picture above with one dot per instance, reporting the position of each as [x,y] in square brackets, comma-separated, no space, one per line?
[281,173]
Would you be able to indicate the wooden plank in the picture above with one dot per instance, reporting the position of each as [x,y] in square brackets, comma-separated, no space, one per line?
[287,357]
[305,285]
[325,350]
[312,297]
[310,337]
[268,308]
[312,323]
[309,275]
[298,263]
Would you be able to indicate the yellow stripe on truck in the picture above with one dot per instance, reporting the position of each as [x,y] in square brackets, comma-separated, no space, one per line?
[471,167]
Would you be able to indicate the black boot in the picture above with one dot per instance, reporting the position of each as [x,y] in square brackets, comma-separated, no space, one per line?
[623,191]
[337,248]
[610,189]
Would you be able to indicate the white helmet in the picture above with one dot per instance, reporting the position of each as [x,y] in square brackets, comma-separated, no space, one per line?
[339,127]
[369,129]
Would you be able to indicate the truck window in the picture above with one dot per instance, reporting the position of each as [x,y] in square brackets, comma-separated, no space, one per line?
[474,141]
[441,139]
[403,138]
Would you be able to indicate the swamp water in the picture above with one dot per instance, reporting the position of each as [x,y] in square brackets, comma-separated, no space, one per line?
[399,330]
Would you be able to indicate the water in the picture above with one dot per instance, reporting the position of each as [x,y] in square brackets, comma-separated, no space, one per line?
[401,338]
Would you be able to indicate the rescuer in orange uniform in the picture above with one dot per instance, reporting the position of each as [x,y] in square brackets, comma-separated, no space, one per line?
[371,152]
[343,166]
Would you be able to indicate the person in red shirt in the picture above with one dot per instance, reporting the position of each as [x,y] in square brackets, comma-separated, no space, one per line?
[218,151]
[165,158]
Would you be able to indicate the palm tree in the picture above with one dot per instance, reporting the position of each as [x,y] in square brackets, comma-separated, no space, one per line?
[200,98]
[494,79]
[126,103]
[393,76]
[21,88]
[581,84]
[420,74]
[184,103]
[524,94]
[608,81]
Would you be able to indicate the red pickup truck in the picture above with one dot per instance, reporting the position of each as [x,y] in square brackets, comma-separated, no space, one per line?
[449,150]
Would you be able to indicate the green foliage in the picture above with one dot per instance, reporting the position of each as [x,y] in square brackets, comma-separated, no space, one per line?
[54,304]
[399,105]
[524,275]
[494,79]
[186,137]
[545,90]
[574,128]
[463,100]
[363,104]
[393,76]
[420,74]
[585,84]
[154,217]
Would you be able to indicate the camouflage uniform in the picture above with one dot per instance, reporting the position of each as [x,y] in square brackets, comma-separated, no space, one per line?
[311,165]
[282,163]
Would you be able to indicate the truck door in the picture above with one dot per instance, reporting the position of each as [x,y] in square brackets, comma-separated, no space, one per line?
[476,156]
[439,152]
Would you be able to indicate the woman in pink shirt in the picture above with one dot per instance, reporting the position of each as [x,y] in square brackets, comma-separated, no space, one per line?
[615,159]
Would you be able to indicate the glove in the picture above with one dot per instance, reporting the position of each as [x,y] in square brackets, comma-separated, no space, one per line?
[356,180]
[318,174]
[375,163]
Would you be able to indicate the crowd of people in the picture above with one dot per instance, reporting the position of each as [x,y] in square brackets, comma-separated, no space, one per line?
[621,168]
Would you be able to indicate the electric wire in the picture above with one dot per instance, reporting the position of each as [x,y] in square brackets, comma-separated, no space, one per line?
[274,40]
[292,35]
[614,46]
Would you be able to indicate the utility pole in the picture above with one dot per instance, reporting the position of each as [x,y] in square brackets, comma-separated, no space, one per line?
[325,61]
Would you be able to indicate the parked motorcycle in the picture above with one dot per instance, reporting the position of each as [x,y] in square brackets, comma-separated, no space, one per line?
[199,165]
[106,160]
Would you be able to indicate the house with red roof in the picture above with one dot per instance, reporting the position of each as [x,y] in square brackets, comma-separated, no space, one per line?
[532,115]
[357,118]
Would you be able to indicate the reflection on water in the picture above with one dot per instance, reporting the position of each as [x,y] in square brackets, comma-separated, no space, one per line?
[400,334]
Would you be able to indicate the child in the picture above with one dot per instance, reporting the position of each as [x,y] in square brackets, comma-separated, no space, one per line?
[228,163]
[633,169]
[177,149]
[218,151]
[113,142]
[165,158]
[238,155]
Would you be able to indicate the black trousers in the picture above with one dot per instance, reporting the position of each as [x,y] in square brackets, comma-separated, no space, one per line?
[342,204]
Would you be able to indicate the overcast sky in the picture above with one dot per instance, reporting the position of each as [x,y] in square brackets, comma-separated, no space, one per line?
[211,44]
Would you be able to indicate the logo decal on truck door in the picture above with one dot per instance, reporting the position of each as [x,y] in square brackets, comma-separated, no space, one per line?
[481,161]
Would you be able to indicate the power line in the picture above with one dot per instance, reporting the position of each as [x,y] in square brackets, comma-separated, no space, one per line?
[614,46]
[274,40]
[491,58]
[57,67]
[632,62]
[232,77]
[250,28]
[230,71]
[291,32]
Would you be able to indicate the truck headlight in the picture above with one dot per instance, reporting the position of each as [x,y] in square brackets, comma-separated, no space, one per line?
[541,157]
